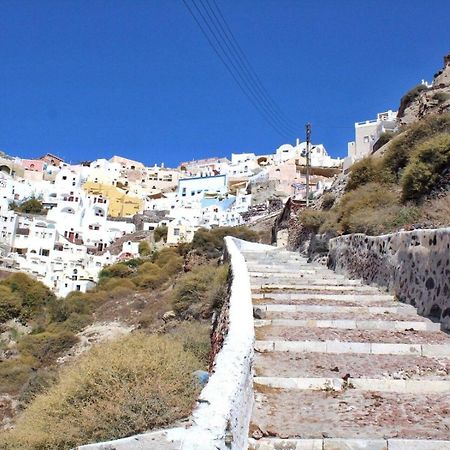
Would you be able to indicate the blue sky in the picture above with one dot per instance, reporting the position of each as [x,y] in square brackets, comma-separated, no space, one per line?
[88,79]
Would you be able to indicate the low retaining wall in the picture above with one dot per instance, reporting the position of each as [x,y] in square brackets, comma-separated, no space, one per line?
[413,265]
[221,419]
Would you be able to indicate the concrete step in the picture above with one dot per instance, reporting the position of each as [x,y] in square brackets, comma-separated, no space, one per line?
[405,336]
[308,315]
[297,294]
[311,288]
[287,278]
[372,348]
[404,367]
[351,324]
[324,300]
[350,413]
[363,384]
[347,444]
[263,307]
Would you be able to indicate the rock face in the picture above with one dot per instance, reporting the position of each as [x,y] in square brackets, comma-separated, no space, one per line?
[414,265]
[433,100]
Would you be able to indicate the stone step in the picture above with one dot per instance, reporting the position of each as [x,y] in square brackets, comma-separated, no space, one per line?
[308,315]
[259,277]
[347,444]
[405,336]
[350,413]
[373,348]
[286,364]
[363,384]
[327,301]
[401,308]
[297,294]
[324,288]
[351,324]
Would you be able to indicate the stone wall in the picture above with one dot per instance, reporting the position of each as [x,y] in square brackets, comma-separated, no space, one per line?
[413,265]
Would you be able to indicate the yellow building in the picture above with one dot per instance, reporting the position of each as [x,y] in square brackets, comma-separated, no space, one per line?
[120,203]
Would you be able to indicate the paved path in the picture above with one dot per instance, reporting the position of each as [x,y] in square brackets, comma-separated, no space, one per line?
[341,365]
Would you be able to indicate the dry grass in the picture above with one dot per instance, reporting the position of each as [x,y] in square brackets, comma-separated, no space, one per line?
[118,389]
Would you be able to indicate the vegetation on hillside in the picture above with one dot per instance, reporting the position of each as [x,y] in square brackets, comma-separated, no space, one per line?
[31,206]
[123,399]
[389,192]
[118,389]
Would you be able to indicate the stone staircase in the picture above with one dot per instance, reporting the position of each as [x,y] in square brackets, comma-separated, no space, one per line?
[342,365]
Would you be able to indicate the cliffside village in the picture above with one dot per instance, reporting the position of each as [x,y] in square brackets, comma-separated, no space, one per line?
[89,207]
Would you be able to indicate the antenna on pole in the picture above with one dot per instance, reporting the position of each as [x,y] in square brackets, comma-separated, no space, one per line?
[308,160]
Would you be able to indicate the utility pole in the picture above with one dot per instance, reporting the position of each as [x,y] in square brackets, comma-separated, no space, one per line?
[308,160]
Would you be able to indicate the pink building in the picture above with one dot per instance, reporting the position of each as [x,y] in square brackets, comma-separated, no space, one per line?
[34,165]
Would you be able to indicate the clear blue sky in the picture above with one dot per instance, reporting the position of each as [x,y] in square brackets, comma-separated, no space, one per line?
[87,79]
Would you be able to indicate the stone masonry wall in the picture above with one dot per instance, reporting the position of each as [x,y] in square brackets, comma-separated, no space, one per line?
[413,265]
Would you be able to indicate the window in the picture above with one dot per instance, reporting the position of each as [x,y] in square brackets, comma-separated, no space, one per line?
[176,231]
[366,139]
[78,287]
[64,177]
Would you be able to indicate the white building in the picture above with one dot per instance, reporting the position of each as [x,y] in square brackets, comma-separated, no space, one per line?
[367,134]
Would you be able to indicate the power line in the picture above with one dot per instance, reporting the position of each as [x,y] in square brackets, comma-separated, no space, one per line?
[245,82]
[235,52]
[231,67]
[246,63]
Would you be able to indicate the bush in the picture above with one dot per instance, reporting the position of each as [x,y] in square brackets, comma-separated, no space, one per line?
[14,373]
[210,243]
[30,206]
[328,199]
[160,233]
[118,389]
[33,296]
[47,347]
[368,209]
[312,219]
[119,270]
[198,292]
[409,97]
[144,248]
[425,168]
[401,148]
[38,382]
[441,97]
[10,304]
[383,140]
[368,170]
[195,337]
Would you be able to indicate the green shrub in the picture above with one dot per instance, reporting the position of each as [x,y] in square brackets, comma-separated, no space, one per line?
[368,170]
[441,97]
[33,295]
[384,138]
[120,388]
[10,304]
[401,148]
[118,270]
[368,209]
[312,219]
[425,167]
[144,248]
[14,373]
[328,199]
[47,347]
[38,382]
[409,97]
[210,243]
[195,337]
[160,233]
[31,206]
[198,292]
